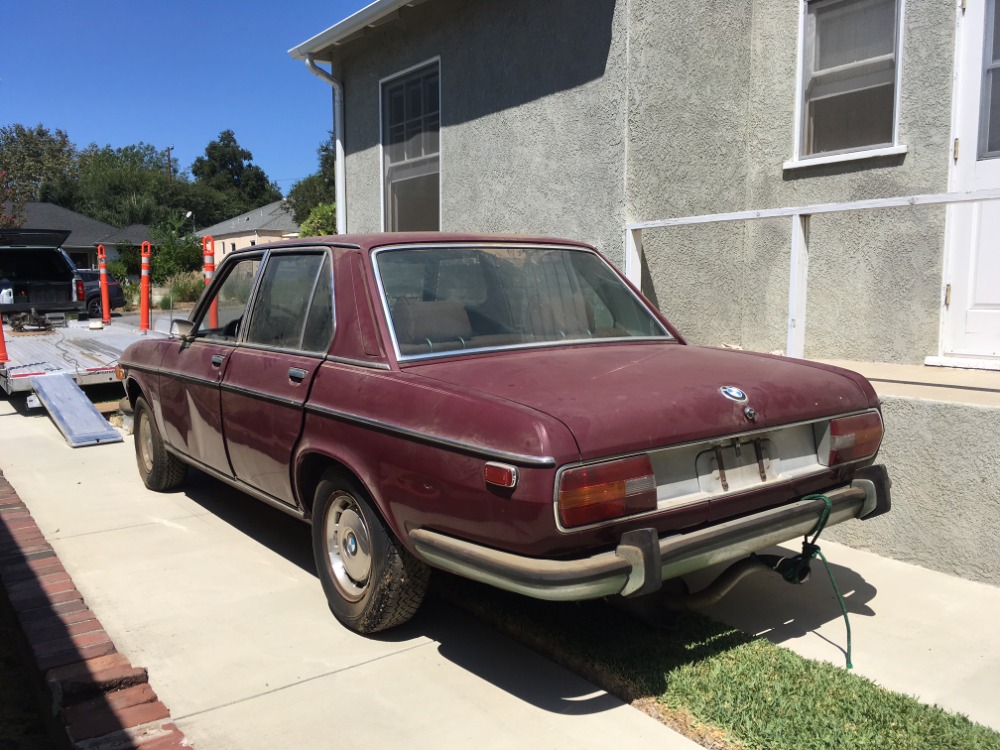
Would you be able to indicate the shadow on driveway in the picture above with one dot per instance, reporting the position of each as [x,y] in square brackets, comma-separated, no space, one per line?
[485,653]
[762,604]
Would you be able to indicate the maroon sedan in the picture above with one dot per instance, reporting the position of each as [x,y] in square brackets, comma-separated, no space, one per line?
[508,409]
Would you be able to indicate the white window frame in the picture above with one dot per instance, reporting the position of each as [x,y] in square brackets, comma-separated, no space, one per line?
[799,160]
[381,150]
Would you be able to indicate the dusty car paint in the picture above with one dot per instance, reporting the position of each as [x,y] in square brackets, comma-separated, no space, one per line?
[416,434]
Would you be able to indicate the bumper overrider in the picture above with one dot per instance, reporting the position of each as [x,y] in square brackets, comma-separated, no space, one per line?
[643,560]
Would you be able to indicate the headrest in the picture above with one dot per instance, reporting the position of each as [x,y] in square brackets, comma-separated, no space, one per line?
[416,321]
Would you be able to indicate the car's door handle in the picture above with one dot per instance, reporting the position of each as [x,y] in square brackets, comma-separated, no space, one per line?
[218,359]
[297,374]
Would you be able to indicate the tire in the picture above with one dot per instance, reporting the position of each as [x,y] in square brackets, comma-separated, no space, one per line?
[94,308]
[159,470]
[371,582]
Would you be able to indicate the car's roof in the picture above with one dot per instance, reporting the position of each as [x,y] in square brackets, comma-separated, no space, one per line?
[383,239]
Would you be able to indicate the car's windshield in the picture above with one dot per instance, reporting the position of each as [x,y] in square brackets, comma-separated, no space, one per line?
[446,300]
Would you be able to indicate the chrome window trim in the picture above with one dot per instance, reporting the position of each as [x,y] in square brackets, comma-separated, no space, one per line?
[667,336]
[415,358]
[356,362]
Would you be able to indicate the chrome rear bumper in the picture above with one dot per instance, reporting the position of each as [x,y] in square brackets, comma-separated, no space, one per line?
[632,567]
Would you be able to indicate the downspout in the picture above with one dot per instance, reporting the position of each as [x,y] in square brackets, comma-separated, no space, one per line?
[339,167]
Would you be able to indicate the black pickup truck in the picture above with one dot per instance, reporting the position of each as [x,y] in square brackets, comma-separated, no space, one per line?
[36,275]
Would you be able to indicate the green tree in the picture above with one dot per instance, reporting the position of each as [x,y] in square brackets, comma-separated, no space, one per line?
[11,209]
[175,251]
[322,220]
[122,186]
[207,205]
[34,158]
[228,168]
[319,187]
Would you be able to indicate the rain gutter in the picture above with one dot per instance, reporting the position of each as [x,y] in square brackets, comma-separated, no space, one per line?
[339,166]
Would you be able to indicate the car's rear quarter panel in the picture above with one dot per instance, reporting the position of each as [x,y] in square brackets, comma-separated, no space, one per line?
[387,428]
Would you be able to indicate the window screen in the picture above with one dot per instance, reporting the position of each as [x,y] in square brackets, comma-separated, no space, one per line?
[849,75]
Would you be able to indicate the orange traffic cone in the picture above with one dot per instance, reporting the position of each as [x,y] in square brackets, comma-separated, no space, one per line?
[3,346]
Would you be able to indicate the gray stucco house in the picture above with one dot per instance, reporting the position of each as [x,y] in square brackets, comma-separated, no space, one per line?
[804,176]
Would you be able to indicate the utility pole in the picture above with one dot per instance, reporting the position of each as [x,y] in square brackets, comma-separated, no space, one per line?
[170,169]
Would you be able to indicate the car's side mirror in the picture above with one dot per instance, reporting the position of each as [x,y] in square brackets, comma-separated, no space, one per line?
[181,328]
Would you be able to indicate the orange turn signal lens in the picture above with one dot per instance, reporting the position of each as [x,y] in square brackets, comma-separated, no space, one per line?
[601,492]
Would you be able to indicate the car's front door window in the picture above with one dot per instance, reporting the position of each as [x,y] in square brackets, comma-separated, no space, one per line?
[223,316]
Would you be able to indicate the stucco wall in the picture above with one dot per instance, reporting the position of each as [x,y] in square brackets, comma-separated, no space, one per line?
[533,111]
[944,461]
[568,123]
[712,122]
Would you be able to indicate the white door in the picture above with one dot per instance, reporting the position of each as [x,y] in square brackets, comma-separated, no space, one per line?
[971,323]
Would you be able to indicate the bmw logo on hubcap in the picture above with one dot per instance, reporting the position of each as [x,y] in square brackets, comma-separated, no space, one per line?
[733,393]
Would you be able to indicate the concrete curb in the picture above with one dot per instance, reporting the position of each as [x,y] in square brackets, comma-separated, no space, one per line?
[99,699]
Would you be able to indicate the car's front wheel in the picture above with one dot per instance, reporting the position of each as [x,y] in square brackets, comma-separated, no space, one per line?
[159,470]
[371,581]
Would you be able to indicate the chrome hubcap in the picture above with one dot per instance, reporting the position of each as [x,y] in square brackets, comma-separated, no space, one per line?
[146,442]
[348,546]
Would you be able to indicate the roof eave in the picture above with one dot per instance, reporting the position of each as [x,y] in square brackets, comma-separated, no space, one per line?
[379,12]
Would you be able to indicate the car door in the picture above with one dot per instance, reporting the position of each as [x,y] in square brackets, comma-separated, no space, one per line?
[192,371]
[269,374]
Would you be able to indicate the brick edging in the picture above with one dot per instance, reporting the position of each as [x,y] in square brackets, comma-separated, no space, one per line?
[98,697]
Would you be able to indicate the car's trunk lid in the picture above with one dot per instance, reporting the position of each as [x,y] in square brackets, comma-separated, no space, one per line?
[619,398]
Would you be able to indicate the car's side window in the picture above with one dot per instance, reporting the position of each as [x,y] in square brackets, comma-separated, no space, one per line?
[319,323]
[222,318]
[283,301]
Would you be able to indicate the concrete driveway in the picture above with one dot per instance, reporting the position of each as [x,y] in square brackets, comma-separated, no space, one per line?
[215,594]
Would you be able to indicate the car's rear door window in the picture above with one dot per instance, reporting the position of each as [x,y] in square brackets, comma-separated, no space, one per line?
[295,289]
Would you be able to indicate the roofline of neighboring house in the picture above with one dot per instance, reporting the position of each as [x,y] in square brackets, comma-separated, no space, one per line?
[379,12]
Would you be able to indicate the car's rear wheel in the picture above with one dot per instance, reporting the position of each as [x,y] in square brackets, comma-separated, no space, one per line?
[94,308]
[371,581]
[159,470]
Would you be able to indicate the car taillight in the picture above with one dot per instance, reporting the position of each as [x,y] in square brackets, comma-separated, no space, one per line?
[590,494]
[81,293]
[851,438]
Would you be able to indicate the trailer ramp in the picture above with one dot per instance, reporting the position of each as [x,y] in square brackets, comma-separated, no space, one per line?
[72,411]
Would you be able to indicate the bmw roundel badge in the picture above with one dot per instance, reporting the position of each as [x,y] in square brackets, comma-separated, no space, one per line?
[733,393]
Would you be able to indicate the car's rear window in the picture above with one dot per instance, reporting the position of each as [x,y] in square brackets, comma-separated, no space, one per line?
[449,299]
[37,264]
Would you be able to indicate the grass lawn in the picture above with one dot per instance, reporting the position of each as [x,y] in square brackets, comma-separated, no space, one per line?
[719,686]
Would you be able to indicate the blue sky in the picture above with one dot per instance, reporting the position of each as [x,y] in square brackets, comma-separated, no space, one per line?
[172,74]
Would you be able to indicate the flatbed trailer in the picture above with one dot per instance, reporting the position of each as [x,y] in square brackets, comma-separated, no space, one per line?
[52,365]
[86,355]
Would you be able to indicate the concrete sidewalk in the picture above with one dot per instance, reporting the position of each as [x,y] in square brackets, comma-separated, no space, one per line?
[215,594]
